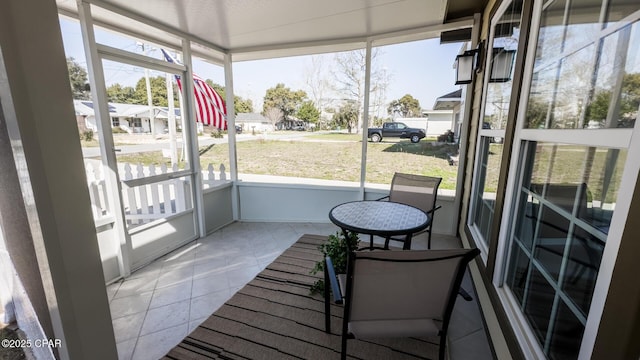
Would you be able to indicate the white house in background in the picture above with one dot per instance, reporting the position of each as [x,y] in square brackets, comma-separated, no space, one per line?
[253,122]
[444,117]
[434,122]
[131,118]
[451,102]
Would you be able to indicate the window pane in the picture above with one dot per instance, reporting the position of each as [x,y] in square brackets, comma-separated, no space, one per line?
[489,172]
[596,171]
[585,254]
[567,199]
[506,34]
[498,94]
[551,240]
[617,69]
[541,97]
[517,278]
[539,301]
[551,33]
[619,9]
[575,75]
[567,335]
[583,23]
[595,84]
[525,226]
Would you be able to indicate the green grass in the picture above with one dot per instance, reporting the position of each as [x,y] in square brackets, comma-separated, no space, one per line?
[331,160]
[336,136]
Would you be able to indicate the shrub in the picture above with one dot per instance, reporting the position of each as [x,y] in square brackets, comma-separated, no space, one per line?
[87,135]
[337,248]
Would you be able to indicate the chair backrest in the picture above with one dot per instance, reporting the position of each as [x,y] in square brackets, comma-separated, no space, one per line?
[415,190]
[412,284]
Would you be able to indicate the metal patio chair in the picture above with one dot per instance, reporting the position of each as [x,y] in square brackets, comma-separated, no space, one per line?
[418,191]
[390,294]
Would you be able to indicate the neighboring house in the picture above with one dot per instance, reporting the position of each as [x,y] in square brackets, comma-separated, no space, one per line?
[434,122]
[444,117]
[132,118]
[452,102]
[253,122]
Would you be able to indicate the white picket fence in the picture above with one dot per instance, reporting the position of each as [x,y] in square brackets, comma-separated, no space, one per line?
[146,199]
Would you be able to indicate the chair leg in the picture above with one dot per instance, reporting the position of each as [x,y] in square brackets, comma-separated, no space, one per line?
[429,239]
[443,347]
[343,348]
[327,304]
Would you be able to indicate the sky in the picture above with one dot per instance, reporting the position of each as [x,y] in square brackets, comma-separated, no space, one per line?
[423,69]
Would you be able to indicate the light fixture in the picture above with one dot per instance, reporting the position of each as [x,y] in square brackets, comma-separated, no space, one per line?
[501,65]
[465,66]
[467,63]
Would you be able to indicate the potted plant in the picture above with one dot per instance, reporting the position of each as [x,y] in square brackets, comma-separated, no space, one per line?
[337,248]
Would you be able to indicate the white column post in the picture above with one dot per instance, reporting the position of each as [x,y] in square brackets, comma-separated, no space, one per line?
[107,147]
[38,104]
[365,117]
[191,137]
[231,121]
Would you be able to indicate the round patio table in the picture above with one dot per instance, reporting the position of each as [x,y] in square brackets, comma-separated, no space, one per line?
[380,218]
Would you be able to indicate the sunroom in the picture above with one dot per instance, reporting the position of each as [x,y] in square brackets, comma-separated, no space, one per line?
[547,190]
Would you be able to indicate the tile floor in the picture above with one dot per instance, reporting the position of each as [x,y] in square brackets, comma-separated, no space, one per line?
[158,305]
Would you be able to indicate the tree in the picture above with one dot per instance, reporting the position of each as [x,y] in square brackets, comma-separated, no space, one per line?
[285,99]
[316,79]
[79,80]
[629,101]
[274,115]
[308,112]
[406,106]
[120,94]
[158,91]
[347,115]
[349,73]
[240,105]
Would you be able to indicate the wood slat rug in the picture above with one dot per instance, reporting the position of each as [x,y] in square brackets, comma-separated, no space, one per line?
[275,317]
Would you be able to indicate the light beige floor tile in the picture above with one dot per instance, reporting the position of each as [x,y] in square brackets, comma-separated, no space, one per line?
[130,287]
[175,275]
[128,327]
[204,306]
[210,284]
[125,348]
[171,294]
[130,305]
[164,317]
[155,345]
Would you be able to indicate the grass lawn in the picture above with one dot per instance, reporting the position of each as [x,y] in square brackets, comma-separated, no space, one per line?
[327,157]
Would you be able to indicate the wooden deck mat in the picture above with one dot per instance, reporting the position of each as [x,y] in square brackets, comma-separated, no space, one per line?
[275,317]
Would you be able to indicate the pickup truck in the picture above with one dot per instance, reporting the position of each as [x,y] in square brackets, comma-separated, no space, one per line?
[396,129]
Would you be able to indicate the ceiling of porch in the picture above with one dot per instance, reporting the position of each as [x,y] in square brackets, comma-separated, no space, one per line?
[255,29]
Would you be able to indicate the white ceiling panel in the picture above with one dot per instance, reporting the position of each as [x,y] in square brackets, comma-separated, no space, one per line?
[251,29]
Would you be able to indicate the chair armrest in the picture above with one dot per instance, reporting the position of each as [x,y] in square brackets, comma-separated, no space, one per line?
[434,209]
[333,281]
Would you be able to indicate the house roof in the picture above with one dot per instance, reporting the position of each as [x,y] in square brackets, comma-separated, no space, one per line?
[257,29]
[250,118]
[85,107]
[448,101]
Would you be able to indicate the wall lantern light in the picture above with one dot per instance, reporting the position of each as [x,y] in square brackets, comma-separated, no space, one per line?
[465,66]
[501,65]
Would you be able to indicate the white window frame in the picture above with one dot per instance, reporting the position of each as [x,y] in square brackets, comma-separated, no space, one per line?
[611,138]
[479,239]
